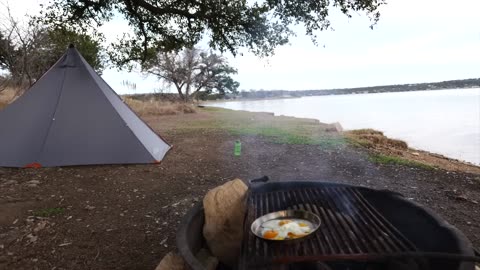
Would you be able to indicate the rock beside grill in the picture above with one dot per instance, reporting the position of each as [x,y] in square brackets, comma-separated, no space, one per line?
[171,261]
[206,259]
[224,213]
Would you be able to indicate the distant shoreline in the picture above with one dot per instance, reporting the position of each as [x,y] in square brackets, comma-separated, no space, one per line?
[243,99]
[270,94]
[340,94]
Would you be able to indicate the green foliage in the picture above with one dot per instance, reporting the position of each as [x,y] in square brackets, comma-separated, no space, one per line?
[214,75]
[391,160]
[48,212]
[27,51]
[225,84]
[259,26]
[88,45]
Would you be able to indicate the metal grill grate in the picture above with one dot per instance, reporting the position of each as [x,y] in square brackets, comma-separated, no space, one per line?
[351,229]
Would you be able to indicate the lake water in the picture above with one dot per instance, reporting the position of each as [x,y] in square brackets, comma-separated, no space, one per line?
[443,121]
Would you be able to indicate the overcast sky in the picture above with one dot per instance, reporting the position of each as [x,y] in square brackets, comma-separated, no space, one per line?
[414,41]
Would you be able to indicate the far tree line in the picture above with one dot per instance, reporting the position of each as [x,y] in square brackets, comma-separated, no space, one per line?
[453,84]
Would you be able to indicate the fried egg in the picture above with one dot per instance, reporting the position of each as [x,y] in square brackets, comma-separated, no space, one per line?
[281,229]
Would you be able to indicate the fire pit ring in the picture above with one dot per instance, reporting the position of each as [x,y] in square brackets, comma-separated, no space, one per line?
[190,236]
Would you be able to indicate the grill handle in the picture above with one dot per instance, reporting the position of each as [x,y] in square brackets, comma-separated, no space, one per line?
[263,179]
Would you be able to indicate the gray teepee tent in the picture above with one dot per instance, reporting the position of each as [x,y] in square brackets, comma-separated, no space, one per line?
[70,116]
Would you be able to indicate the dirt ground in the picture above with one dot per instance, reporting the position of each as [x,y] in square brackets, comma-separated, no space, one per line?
[126,216]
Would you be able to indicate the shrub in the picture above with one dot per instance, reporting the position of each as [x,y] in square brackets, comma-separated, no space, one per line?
[7,96]
[155,107]
[370,138]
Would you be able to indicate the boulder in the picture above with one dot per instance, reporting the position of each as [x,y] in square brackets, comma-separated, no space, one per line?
[334,127]
[171,261]
[224,214]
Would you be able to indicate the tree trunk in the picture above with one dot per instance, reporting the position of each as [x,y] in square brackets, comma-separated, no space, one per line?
[187,92]
[179,89]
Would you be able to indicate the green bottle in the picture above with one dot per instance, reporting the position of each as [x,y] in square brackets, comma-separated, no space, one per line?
[238,148]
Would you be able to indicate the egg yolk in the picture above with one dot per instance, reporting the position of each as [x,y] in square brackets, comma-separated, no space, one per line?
[283,222]
[294,236]
[301,224]
[270,234]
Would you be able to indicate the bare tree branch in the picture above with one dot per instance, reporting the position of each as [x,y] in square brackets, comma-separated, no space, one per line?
[191,71]
[28,49]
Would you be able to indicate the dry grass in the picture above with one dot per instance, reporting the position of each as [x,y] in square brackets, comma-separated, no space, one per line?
[155,107]
[7,96]
[384,150]
[143,108]
[374,139]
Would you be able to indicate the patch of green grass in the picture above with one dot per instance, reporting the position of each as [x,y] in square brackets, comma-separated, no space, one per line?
[357,142]
[284,135]
[333,141]
[391,160]
[296,139]
[212,109]
[48,212]
[277,129]
[257,130]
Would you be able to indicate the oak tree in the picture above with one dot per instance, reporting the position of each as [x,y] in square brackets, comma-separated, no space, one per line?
[165,25]
[191,71]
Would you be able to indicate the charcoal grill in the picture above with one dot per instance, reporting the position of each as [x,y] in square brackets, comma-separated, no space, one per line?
[361,228]
[358,225]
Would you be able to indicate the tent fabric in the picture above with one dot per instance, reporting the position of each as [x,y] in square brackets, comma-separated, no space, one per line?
[71,116]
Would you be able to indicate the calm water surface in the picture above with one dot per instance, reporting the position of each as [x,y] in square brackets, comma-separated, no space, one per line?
[444,121]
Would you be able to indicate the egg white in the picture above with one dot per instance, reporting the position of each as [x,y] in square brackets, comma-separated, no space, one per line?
[283,230]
